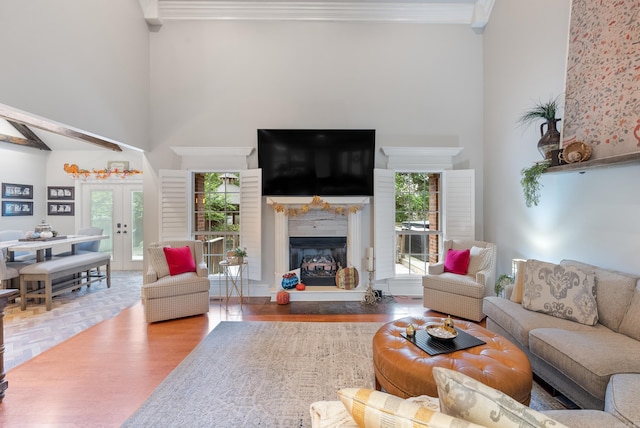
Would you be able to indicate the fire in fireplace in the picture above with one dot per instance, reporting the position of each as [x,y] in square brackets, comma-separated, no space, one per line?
[318,258]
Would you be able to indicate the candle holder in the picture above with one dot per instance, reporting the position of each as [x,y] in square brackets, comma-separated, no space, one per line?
[370,297]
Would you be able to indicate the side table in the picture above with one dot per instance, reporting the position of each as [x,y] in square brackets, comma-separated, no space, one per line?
[234,277]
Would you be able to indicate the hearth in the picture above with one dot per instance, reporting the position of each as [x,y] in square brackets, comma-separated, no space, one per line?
[318,258]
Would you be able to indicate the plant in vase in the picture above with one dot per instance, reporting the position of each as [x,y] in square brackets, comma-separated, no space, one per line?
[502,281]
[236,255]
[549,140]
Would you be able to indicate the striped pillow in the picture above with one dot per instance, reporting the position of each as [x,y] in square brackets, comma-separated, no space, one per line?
[370,408]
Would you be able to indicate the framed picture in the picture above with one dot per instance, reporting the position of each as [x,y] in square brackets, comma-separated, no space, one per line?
[60,193]
[15,208]
[17,191]
[118,165]
[61,208]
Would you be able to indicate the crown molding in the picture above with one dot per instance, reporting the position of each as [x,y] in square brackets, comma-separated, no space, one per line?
[465,12]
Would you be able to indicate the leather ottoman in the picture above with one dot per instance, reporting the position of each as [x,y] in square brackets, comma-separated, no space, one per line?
[404,370]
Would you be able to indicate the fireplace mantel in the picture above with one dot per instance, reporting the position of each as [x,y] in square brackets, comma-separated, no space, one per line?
[281,229]
[306,200]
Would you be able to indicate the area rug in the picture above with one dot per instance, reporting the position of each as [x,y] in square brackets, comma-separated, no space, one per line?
[262,374]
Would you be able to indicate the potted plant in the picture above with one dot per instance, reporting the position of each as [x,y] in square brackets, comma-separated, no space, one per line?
[530,182]
[549,140]
[237,255]
[502,281]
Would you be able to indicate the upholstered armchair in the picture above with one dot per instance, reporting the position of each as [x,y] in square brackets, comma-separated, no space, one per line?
[176,283]
[461,294]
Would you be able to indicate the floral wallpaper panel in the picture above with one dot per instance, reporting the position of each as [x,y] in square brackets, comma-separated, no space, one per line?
[602,94]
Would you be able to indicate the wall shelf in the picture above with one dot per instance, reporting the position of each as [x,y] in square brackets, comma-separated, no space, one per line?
[596,163]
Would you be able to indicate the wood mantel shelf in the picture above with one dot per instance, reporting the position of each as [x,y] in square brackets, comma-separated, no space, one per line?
[596,163]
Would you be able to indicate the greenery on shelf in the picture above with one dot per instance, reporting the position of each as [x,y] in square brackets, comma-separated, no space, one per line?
[530,182]
[541,110]
[502,281]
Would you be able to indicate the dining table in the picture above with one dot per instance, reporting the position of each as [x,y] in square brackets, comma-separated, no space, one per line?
[43,247]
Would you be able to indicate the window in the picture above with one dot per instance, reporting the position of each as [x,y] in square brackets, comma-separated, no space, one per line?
[417,221]
[217,215]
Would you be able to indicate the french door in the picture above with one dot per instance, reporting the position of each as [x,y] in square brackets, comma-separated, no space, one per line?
[117,209]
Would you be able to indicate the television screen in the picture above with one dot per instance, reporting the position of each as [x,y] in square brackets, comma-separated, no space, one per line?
[323,162]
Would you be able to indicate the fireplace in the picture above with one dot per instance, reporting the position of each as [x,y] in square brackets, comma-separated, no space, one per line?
[318,258]
[314,223]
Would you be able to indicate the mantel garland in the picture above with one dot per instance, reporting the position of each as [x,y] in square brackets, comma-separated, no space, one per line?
[316,203]
[102,174]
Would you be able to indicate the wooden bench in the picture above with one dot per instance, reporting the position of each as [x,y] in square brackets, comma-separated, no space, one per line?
[72,272]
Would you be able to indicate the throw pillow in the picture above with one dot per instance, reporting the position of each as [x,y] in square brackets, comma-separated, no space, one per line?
[158,261]
[518,287]
[457,261]
[478,260]
[180,260]
[561,291]
[466,398]
[371,409]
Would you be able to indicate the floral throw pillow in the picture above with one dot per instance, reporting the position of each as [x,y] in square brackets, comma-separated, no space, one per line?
[561,291]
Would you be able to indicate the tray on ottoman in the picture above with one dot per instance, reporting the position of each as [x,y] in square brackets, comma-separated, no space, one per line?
[436,346]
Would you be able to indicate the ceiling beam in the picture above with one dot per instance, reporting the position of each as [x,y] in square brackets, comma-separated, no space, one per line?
[57,128]
[22,142]
[30,135]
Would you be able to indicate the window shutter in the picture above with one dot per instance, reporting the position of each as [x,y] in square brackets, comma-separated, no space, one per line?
[251,219]
[384,219]
[175,189]
[458,192]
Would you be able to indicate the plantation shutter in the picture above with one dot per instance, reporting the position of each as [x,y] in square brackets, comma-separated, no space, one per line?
[251,219]
[459,204]
[175,189]
[384,223]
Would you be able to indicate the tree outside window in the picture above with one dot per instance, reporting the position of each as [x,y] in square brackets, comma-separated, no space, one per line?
[217,215]
[417,221]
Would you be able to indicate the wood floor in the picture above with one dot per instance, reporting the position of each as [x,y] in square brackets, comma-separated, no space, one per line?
[99,377]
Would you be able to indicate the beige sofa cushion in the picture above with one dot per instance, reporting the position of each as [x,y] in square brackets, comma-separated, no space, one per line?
[630,324]
[518,321]
[565,292]
[589,358]
[614,291]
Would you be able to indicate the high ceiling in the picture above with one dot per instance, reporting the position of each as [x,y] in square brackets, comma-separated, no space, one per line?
[30,131]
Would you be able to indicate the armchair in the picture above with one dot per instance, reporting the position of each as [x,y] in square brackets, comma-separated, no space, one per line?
[462,295]
[166,296]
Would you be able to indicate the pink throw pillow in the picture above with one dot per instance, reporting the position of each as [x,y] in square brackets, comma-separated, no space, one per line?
[180,260]
[457,261]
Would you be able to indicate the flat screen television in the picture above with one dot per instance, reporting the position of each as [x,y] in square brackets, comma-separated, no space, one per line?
[323,162]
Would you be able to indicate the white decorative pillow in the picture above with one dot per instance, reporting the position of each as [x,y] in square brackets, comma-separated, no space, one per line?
[561,291]
[158,261]
[479,260]
[466,398]
[370,408]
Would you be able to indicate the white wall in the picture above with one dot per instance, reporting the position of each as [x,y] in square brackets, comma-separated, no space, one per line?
[21,165]
[590,217]
[81,63]
[216,83]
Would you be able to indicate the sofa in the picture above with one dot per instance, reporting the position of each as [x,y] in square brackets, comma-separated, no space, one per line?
[578,341]
[463,401]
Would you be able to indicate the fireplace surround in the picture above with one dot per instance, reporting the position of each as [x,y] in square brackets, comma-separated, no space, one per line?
[317,222]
